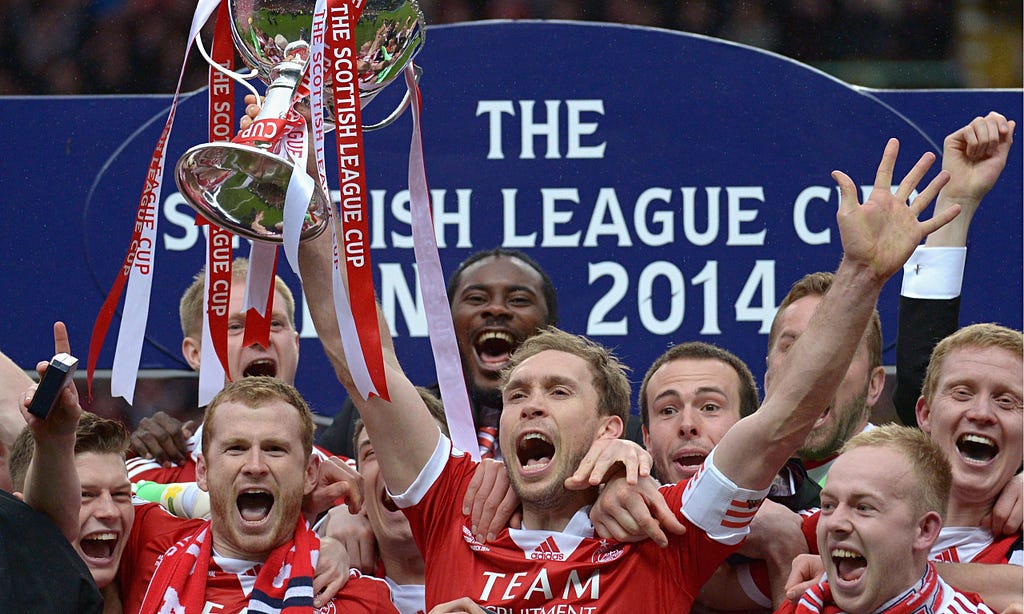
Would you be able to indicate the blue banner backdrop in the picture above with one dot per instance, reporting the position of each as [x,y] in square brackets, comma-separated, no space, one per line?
[673,185]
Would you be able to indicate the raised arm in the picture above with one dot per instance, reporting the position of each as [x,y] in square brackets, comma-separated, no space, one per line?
[404,434]
[929,310]
[878,237]
[974,156]
[51,483]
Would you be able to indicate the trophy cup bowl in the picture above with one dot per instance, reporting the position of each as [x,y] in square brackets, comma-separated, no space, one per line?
[388,35]
[241,187]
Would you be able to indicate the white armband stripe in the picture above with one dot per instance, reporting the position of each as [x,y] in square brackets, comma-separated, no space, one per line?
[722,509]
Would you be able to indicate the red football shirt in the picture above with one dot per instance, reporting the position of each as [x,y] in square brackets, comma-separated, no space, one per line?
[531,571]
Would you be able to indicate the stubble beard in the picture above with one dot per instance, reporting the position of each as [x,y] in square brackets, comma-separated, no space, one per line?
[552,494]
[824,443]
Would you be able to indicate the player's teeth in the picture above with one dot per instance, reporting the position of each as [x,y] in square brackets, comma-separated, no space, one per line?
[839,553]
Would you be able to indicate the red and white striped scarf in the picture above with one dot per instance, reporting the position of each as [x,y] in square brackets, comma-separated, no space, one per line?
[930,595]
[925,597]
[284,584]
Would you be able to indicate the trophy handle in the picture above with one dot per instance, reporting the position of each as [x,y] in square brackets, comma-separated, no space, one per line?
[402,106]
[241,78]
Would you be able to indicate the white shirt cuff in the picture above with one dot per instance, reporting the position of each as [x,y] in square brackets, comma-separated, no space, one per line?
[934,273]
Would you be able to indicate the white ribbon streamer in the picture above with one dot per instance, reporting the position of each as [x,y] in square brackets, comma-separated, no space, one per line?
[132,331]
[443,342]
[296,201]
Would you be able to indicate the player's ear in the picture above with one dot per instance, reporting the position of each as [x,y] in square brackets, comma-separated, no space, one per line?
[924,415]
[191,349]
[312,474]
[876,384]
[201,473]
[928,529]
[647,436]
[611,426]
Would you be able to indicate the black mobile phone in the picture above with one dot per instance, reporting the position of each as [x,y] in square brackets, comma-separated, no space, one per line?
[57,376]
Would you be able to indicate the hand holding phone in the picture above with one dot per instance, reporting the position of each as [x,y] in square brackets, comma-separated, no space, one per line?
[58,375]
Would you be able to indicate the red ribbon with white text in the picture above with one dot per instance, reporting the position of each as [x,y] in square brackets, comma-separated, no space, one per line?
[218,276]
[340,53]
[139,263]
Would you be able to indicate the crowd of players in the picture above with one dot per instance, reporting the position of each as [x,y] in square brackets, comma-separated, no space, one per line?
[713,499]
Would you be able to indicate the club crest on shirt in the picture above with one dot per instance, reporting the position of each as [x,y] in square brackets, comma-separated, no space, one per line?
[607,552]
[328,609]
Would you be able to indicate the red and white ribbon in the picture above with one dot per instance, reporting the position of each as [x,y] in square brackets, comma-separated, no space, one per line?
[342,17]
[216,302]
[443,342]
[139,263]
[219,242]
[335,39]
[259,293]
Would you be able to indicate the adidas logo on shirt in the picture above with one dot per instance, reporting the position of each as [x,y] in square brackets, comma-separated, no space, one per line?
[547,551]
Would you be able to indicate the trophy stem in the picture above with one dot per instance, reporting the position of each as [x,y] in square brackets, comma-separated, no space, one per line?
[285,78]
[242,187]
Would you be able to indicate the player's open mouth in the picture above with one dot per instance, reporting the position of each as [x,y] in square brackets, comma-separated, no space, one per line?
[850,565]
[99,547]
[260,367]
[494,349]
[977,449]
[689,462]
[254,505]
[534,452]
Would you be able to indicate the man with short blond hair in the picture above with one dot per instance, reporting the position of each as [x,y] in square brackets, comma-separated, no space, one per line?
[877,528]
[972,407]
[257,551]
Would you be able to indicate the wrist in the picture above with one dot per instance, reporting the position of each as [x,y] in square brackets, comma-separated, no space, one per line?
[54,442]
[953,234]
[967,200]
[860,276]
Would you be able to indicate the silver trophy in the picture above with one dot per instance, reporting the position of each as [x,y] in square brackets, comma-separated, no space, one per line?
[242,188]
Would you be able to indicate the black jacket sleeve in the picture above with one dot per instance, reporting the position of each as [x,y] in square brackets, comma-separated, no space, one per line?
[922,324]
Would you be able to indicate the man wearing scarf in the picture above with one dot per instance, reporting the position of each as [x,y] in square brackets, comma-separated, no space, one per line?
[257,551]
[878,527]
